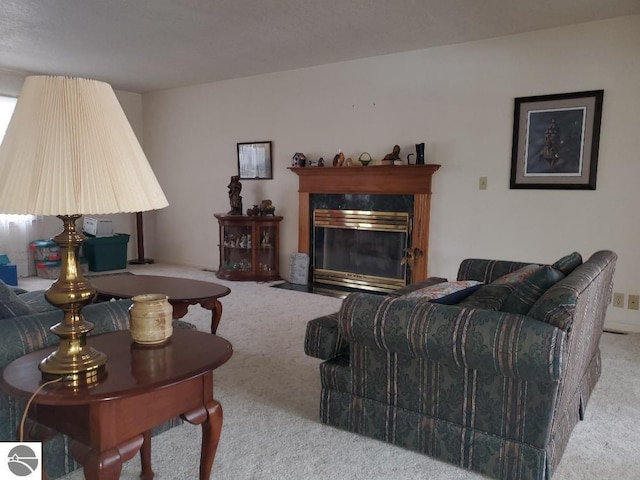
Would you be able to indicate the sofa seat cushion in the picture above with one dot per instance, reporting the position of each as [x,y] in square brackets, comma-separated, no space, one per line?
[448,293]
[11,305]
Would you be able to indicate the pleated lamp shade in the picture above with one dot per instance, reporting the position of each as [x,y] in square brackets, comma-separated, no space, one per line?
[70,150]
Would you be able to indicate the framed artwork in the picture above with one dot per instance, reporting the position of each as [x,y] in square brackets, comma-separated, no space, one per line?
[555,141]
[254,161]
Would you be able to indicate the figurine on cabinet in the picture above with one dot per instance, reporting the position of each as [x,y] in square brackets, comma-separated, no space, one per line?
[267,208]
[253,212]
[235,187]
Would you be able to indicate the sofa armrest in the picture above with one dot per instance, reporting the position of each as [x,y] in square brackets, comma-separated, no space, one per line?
[28,333]
[323,339]
[496,342]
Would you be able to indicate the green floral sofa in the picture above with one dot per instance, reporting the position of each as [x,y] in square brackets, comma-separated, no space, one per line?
[472,383]
[25,320]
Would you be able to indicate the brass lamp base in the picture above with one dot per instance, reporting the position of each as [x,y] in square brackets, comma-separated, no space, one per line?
[73,360]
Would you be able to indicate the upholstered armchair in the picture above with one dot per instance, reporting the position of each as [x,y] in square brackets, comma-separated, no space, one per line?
[489,390]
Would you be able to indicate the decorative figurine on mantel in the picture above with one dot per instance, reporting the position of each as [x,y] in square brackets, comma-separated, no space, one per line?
[391,158]
[235,187]
[299,160]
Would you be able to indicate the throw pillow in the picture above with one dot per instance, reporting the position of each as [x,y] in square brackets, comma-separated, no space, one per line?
[528,291]
[568,263]
[10,304]
[448,293]
[456,297]
[417,286]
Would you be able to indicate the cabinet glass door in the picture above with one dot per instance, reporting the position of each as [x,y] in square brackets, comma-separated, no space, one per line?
[236,248]
[266,252]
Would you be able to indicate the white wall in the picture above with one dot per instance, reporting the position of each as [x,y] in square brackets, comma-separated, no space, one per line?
[11,85]
[459,100]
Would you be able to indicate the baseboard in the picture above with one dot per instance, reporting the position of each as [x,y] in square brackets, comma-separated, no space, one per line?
[622,327]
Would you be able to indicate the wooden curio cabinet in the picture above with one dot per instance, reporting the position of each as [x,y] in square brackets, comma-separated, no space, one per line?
[249,247]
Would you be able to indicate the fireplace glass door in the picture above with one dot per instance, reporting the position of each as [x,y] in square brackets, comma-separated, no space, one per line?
[360,249]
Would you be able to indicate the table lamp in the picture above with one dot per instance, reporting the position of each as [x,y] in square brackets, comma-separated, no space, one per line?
[70,151]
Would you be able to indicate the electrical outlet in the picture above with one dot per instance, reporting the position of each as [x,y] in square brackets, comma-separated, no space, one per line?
[618,300]
[482,184]
[634,302]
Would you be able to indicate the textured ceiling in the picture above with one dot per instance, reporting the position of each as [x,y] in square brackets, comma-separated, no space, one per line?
[144,45]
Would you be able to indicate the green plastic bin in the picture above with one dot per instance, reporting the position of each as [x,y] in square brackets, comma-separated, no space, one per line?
[106,253]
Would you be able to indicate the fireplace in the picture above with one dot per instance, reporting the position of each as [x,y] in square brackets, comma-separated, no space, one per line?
[359,249]
[367,217]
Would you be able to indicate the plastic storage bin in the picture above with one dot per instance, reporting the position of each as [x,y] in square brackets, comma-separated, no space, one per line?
[46,250]
[106,253]
[51,269]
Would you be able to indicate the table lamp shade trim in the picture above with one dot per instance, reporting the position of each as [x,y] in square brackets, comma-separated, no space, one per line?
[69,149]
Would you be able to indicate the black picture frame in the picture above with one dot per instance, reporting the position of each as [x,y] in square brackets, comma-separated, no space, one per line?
[556,140]
[254,161]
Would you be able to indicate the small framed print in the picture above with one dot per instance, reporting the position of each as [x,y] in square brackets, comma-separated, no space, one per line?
[254,161]
[556,140]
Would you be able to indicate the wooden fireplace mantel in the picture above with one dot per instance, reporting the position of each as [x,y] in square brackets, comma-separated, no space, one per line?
[385,180]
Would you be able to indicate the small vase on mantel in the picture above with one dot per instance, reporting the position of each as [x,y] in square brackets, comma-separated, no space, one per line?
[151,317]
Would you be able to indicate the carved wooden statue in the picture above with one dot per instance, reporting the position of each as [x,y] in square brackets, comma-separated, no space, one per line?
[235,187]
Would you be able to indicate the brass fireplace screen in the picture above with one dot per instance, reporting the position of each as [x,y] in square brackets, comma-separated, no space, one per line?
[359,249]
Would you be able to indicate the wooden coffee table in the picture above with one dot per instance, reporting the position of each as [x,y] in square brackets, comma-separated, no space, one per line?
[145,386]
[182,292]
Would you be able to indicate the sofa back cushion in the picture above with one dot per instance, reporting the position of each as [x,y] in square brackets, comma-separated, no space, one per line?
[10,304]
[516,291]
[527,291]
[486,271]
[568,263]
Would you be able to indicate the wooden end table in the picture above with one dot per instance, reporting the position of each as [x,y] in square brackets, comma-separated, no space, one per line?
[145,386]
[182,292]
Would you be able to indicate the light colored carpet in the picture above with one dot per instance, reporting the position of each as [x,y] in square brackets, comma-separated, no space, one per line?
[270,393]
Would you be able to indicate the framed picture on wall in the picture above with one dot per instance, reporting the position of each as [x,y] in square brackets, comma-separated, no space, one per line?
[254,160]
[555,141]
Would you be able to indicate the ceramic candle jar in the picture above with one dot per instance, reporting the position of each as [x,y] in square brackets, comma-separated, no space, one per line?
[151,318]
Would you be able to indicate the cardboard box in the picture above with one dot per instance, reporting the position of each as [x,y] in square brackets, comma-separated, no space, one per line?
[97,228]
